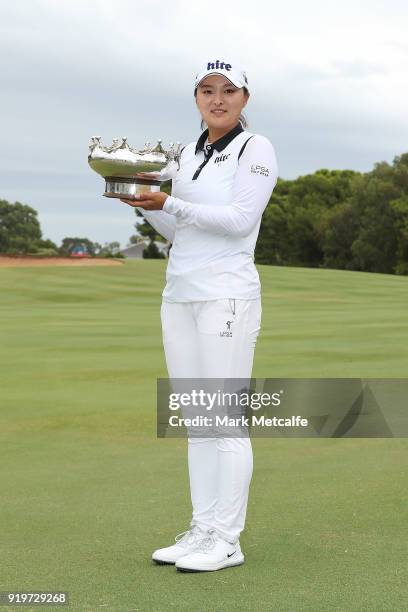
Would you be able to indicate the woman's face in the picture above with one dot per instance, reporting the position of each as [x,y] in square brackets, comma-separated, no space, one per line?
[217,93]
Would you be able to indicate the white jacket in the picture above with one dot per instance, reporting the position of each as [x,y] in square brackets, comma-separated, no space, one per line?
[213,216]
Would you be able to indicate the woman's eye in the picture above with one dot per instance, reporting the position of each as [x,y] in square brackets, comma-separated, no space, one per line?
[226,91]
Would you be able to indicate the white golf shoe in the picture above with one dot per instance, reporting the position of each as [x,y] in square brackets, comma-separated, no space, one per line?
[185,543]
[212,553]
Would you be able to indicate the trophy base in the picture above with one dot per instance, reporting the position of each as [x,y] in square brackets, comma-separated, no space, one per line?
[127,187]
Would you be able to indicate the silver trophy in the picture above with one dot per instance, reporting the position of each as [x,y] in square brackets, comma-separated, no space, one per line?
[128,171]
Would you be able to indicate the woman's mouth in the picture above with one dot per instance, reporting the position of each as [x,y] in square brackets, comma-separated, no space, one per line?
[218,112]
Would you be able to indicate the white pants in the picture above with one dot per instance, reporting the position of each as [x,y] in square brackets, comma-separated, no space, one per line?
[215,339]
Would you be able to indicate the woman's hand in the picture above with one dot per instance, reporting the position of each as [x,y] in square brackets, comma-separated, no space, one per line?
[149,200]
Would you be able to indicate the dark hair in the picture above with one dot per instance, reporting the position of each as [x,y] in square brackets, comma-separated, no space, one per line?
[242,117]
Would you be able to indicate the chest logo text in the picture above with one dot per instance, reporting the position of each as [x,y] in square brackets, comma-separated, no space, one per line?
[221,158]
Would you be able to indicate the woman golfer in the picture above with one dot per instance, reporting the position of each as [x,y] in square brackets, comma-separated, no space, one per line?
[211,304]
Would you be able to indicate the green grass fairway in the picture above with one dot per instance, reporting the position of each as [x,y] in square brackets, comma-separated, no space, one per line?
[88,491]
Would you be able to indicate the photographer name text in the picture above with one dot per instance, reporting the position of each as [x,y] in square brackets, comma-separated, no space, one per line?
[225,421]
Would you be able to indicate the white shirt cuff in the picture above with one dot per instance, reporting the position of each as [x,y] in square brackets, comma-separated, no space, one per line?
[170,206]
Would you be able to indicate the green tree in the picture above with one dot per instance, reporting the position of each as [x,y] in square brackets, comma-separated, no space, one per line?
[70,242]
[340,230]
[271,245]
[144,229]
[375,247]
[20,230]
[294,223]
[109,249]
[400,209]
[152,252]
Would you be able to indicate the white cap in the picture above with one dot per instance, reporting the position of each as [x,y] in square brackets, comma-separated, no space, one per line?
[233,73]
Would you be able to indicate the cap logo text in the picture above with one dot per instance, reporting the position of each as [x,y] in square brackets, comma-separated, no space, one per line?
[218,65]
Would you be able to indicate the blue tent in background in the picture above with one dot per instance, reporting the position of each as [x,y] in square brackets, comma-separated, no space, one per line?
[79,250]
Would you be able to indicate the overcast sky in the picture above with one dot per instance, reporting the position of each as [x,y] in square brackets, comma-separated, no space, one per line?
[328,83]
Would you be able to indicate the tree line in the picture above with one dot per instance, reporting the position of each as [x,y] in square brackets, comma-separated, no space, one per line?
[20,234]
[339,219]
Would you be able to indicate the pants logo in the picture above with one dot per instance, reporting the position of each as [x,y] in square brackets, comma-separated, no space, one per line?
[227,333]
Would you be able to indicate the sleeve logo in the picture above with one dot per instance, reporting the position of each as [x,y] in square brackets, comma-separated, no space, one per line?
[259,170]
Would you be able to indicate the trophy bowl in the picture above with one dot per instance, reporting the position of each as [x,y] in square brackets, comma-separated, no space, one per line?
[128,171]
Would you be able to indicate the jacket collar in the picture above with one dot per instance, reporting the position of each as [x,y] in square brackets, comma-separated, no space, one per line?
[222,142]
